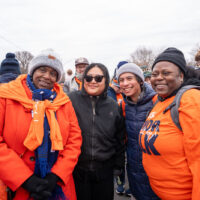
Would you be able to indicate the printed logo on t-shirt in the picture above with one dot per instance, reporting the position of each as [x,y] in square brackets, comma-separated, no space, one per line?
[151,115]
[149,134]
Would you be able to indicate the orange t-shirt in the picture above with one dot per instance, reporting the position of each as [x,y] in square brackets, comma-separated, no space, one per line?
[171,157]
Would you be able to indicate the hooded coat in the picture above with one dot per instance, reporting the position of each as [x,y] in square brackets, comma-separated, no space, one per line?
[102,124]
[17,162]
[135,117]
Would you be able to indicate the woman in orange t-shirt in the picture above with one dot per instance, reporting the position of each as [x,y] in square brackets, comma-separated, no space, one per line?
[171,157]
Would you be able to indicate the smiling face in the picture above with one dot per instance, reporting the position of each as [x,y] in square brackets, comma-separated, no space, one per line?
[166,78]
[129,85]
[80,68]
[44,77]
[93,87]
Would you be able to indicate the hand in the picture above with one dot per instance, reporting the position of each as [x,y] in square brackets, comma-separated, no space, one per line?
[36,187]
[52,180]
[34,184]
[44,195]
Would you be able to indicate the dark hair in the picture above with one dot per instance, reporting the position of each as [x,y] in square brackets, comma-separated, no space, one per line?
[140,82]
[69,72]
[197,56]
[104,69]
[191,72]
[192,76]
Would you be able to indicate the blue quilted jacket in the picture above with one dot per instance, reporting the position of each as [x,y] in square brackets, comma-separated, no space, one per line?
[135,117]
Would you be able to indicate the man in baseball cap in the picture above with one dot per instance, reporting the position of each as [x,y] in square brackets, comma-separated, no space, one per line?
[76,82]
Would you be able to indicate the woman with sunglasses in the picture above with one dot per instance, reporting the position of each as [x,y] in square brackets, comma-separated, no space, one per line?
[102,125]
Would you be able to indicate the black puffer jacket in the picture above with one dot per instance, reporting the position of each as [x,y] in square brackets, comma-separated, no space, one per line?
[102,124]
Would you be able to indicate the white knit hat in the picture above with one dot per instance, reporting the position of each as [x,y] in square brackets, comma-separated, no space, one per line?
[81,60]
[131,68]
[46,58]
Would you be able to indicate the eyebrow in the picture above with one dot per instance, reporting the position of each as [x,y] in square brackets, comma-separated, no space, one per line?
[130,76]
[94,75]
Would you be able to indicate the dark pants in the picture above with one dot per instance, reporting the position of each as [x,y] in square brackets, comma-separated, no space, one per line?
[94,185]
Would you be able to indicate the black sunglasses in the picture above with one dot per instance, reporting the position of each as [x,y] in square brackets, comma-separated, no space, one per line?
[97,78]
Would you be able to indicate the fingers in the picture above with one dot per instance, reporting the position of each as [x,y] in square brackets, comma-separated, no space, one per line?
[41,187]
[36,196]
[44,195]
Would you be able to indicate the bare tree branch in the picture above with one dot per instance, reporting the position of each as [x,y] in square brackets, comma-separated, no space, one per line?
[24,57]
[143,57]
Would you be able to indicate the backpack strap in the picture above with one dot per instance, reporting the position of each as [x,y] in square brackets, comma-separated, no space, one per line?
[176,103]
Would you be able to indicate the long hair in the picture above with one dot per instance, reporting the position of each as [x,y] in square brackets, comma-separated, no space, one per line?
[104,69]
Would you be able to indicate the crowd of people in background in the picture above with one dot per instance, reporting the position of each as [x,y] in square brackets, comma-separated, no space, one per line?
[68,137]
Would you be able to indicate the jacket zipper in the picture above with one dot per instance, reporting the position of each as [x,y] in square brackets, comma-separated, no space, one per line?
[93,118]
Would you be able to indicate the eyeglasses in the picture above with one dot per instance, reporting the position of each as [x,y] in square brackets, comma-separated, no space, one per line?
[97,78]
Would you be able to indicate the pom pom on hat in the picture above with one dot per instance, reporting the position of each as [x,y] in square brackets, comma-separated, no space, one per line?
[121,63]
[115,71]
[46,58]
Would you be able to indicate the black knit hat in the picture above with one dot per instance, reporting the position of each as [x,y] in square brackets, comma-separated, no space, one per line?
[10,65]
[172,55]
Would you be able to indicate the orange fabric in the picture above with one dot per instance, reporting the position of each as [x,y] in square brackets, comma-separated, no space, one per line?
[16,163]
[120,101]
[171,157]
[79,83]
[155,98]
[3,192]
[115,80]
[123,108]
[119,98]
[35,135]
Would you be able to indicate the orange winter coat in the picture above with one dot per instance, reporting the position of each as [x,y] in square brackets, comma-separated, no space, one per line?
[17,161]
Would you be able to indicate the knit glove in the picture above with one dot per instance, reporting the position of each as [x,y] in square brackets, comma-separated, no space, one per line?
[52,180]
[37,187]
[44,195]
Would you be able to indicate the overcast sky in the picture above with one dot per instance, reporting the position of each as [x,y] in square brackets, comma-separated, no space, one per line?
[105,31]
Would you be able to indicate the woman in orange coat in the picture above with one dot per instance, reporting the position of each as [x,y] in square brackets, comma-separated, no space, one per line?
[40,138]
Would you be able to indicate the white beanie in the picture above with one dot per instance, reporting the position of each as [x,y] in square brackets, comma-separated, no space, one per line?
[130,68]
[46,58]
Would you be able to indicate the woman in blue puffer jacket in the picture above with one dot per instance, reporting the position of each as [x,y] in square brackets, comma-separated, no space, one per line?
[139,100]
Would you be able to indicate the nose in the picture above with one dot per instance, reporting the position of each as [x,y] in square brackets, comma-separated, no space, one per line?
[125,82]
[159,76]
[93,80]
[46,75]
[82,70]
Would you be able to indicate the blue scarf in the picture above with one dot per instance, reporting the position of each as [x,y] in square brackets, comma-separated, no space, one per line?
[45,158]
